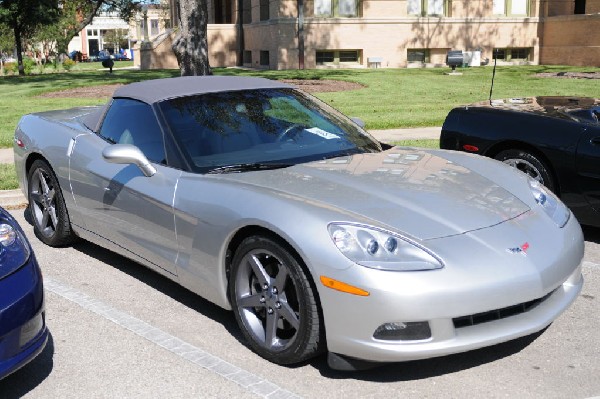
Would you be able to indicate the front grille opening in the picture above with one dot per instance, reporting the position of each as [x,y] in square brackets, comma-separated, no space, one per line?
[497,314]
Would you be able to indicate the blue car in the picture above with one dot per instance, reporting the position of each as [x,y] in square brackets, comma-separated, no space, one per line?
[23,332]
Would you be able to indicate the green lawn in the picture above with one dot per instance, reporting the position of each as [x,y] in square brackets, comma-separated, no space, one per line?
[8,177]
[391,98]
[422,143]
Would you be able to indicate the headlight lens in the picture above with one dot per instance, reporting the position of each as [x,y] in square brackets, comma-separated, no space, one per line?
[14,248]
[8,235]
[379,249]
[554,208]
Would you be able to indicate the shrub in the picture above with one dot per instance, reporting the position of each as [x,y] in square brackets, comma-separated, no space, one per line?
[68,64]
[28,65]
[10,68]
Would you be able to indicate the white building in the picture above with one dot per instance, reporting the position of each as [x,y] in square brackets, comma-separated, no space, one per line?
[91,40]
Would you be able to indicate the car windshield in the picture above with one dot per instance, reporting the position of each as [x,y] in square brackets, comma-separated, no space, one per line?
[257,128]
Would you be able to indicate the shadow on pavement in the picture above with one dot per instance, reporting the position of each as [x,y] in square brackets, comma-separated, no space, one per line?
[422,369]
[591,234]
[31,375]
[163,285]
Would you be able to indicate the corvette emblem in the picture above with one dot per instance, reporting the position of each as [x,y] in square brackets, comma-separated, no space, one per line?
[519,250]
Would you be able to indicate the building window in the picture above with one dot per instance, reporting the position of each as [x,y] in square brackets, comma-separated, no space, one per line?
[246,11]
[427,7]
[264,10]
[512,54]
[499,53]
[417,55]
[325,57]
[223,12]
[264,58]
[349,56]
[579,7]
[511,7]
[247,57]
[154,27]
[336,57]
[519,54]
[337,8]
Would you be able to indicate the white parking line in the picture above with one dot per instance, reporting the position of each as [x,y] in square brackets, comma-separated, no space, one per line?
[243,378]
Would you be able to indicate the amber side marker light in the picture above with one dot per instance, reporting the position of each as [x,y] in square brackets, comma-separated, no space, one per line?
[470,148]
[343,287]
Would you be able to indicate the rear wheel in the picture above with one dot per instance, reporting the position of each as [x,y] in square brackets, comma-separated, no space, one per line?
[47,207]
[273,302]
[528,163]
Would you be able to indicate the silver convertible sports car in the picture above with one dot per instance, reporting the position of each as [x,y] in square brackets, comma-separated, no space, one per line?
[319,238]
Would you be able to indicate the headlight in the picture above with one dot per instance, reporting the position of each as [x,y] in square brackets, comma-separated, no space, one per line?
[553,207]
[14,248]
[379,249]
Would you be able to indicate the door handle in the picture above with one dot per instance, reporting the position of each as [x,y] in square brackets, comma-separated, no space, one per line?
[595,141]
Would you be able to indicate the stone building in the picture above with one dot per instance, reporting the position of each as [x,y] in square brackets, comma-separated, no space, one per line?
[292,34]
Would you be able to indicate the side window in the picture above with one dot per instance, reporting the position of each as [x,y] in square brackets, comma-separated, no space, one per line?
[133,122]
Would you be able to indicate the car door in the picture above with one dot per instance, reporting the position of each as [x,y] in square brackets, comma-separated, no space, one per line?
[123,206]
[588,165]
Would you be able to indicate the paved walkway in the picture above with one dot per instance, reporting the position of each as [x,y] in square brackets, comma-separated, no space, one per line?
[6,155]
[15,199]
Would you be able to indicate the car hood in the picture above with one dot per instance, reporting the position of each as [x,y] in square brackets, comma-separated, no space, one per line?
[411,191]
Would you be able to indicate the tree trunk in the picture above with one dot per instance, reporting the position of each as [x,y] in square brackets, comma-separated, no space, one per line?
[19,45]
[191,45]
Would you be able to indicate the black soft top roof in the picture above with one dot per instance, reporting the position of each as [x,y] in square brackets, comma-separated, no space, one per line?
[152,91]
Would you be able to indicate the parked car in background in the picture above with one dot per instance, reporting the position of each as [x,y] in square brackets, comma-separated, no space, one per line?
[76,55]
[104,55]
[555,140]
[270,203]
[23,332]
[120,57]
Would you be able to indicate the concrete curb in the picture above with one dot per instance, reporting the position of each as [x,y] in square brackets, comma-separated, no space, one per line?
[14,199]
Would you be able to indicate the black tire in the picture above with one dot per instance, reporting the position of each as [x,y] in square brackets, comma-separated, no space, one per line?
[530,164]
[47,207]
[273,302]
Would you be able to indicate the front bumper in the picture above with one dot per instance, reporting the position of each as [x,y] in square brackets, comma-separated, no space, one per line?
[478,279]
[23,331]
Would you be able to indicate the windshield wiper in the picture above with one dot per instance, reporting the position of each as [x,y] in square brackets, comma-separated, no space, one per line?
[248,167]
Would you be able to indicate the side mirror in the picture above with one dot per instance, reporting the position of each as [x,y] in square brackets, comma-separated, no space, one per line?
[358,121]
[128,154]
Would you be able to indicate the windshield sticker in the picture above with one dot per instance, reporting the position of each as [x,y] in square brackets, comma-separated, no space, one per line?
[322,133]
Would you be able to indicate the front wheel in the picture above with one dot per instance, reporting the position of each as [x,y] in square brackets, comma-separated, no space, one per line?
[273,302]
[528,163]
[47,207]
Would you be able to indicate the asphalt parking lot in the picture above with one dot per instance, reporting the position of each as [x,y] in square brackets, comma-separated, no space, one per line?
[119,330]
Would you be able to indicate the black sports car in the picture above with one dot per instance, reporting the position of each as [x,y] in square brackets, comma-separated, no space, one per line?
[556,140]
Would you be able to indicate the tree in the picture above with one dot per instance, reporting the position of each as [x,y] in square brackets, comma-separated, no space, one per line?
[191,44]
[7,45]
[77,14]
[45,36]
[116,38]
[24,17]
